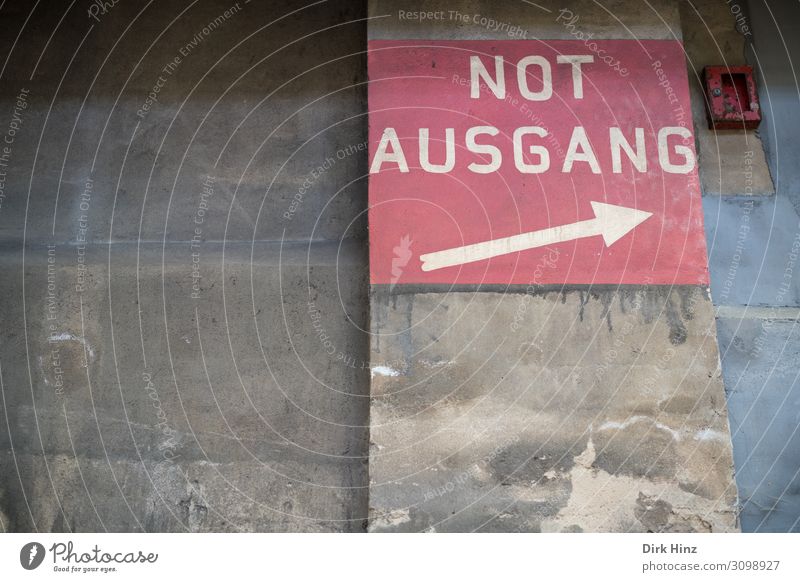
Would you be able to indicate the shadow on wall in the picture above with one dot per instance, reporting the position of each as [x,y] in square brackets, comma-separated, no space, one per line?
[754,246]
[185,182]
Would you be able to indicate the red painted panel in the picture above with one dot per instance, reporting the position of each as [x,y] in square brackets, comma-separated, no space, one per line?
[524,220]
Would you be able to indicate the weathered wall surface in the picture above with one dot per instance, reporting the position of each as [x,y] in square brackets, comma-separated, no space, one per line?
[578,408]
[732,161]
[245,407]
[754,244]
[760,366]
[487,20]
[773,51]
[184,273]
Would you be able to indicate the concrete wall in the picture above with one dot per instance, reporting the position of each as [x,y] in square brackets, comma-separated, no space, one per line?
[603,411]
[184,279]
[128,404]
[732,161]
[754,245]
[775,46]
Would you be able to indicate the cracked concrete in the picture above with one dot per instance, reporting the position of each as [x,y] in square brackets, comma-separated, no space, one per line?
[524,433]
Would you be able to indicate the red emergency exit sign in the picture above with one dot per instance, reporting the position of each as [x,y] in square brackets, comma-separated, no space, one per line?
[532,162]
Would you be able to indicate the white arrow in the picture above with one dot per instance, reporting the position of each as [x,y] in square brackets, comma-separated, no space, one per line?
[610,221]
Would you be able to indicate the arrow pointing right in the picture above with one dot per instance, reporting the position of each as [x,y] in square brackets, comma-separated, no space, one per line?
[611,222]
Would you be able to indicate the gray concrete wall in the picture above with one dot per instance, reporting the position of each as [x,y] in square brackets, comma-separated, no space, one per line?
[184,279]
[732,162]
[143,408]
[603,410]
[551,410]
[773,51]
[754,244]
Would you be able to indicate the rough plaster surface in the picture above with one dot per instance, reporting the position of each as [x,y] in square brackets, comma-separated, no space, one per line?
[244,420]
[485,19]
[129,491]
[243,409]
[732,162]
[583,410]
[579,410]
[776,36]
[758,315]
[760,367]
[753,244]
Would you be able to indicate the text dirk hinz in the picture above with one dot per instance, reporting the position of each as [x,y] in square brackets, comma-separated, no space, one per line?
[672,549]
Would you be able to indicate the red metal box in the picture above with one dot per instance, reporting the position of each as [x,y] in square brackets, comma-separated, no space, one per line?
[731,97]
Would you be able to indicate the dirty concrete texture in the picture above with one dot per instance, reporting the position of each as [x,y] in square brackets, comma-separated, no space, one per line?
[189,340]
[754,247]
[549,410]
[184,268]
[732,162]
[579,408]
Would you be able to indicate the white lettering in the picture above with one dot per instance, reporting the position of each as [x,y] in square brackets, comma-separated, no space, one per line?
[450,151]
[478,71]
[619,143]
[547,78]
[683,150]
[579,140]
[490,150]
[577,76]
[383,155]
[541,151]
